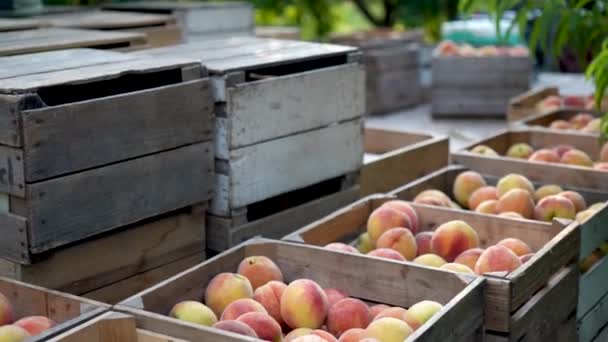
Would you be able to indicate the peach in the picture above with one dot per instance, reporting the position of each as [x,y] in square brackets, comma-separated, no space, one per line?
[552,101]
[347,314]
[240,307]
[342,247]
[516,245]
[259,270]
[497,259]
[456,267]
[513,181]
[369,339]
[365,243]
[594,126]
[487,207]
[520,150]
[547,190]
[561,149]
[484,150]
[13,333]
[269,296]
[488,51]
[296,333]
[433,197]
[324,335]
[389,329]
[577,199]
[581,120]
[424,310]
[601,166]
[304,304]
[588,262]
[352,335]
[554,206]
[482,194]
[524,258]
[446,48]
[431,260]
[465,184]
[378,308]
[264,326]
[334,296]
[309,338]
[400,314]
[194,312]
[511,214]
[452,238]
[604,153]
[236,327]
[6,311]
[423,242]
[400,240]
[386,253]
[577,157]
[383,219]
[544,155]
[408,210]
[518,201]
[560,124]
[224,289]
[574,101]
[467,50]
[519,51]
[35,325]
[469,257]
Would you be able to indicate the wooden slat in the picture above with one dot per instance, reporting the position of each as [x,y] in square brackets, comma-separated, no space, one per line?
[592,327]
[392,58]
[389,90]
[167,35]
[592,288]
[464,101]
[71,208]
[482,72]
[524,105]
[21,24]
[13,230]
[9,124]
[107,20]
[12,178]
[116,327]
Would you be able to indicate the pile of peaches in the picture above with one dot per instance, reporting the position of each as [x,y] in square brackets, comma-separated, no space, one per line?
[256,302]
[449,48]
[582,122]
[554,102]
[20,330]
[562,154]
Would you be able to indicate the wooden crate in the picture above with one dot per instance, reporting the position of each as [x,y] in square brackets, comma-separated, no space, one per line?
[477,86]
[67,310]
[593,234]
[278,32]
[95,140]
[199,20]
[392,158]
[549,172]
[384,282]
[134,258]
[516,304]
[160,30]
[543,120]
[50,39]
[7,25]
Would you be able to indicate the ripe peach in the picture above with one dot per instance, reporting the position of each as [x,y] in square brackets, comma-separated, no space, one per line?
[488,51]
[224,289]
[347,314]
[588,262]
[13,333]
[484,150]
[259,270]
[424,310]
[519,51]
[400,240]
[560,124]
[6,311]
[324,335]
[269,296]
[520,150]
[525,258]
[378,308]
[352,335]
[518,201]
[447,48]
[389,329]
[513,181]
[544,155]
[240,307]
[511,214]
[487,207]
[554,206]
[456,267]
[194,312]
[562,148]
[408,210]
[577,157]
[516,245]
[432,260]
[370,339]
[386,253]
[547,190]
[574,101]
[309,338]
[482,194]
[465,184]
[383,219]
[35,325]
[423,242]
[604,153]
[594,126]
[342,247]
[601,166]
[581,120]
[236,327]
[334,296]
[469,257]
[452,238]
[433,197]
[365,243]
[296,333]
[400,314]
[497,259]
[577,199]
[304,304]
[553,101]
[264,326]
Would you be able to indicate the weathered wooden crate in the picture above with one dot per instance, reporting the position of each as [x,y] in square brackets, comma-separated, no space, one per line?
[50,39]
[200,20]
[95,140]
[160,29]
[477,86]
[21,24]
[547,172]
[542,121]
[67,310]
[393,283]
[519,305]
[591,302]
[392,158]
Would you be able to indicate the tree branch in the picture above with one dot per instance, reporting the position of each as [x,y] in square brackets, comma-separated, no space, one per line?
[389,13]
[367,13]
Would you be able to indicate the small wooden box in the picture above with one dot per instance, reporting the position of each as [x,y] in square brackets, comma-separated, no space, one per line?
[95,140]
[392,158]
[394,283]
[542,121]
[477,86]
[67,310]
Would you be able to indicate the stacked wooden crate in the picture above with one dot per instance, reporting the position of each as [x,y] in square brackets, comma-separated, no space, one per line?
[288,140]
[93,141]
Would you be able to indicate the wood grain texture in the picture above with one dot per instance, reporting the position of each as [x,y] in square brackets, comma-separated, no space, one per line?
[116,195]
[592,327]
[111,326]
[463,101]
[14,244]
[481,72]
[12,168]
[592,288]
[393,89]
